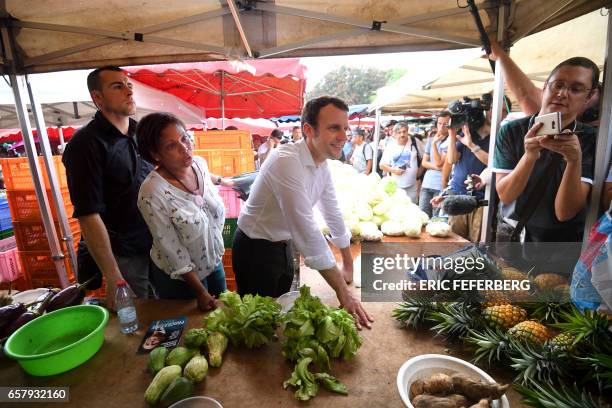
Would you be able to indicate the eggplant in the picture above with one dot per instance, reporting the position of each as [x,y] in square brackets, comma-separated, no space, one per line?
[9,313]
[69,296]
[27,315]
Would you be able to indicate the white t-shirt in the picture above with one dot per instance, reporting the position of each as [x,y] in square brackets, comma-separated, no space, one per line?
[396,155]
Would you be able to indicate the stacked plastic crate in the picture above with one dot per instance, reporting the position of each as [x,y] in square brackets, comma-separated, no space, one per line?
[34,252]
[10,271]
[228,153]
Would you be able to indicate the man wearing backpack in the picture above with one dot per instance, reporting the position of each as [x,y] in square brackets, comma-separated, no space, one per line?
[403,160]
[363,153]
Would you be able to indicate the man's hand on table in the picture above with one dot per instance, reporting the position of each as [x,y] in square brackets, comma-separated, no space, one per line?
[206,302]
[354,307]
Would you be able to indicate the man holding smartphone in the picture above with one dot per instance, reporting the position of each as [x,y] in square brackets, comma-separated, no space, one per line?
[544,181]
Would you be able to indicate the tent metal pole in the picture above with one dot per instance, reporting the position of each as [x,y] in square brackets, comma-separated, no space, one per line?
[58,200]
[222,100]
[376,140]
[18,87]
[489,212]
[603,152]
[60,134]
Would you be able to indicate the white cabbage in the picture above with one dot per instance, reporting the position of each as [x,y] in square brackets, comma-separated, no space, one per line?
[392,228]
[412,227]
[438,229]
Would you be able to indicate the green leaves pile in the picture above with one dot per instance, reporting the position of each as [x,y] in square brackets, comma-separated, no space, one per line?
[248,322]
[316,333]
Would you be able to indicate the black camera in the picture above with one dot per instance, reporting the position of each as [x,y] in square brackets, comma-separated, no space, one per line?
[470,111]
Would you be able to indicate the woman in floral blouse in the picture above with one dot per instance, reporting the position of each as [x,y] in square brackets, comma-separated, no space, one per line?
[185,214]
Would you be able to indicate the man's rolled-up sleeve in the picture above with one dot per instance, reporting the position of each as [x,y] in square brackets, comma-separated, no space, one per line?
[286,182]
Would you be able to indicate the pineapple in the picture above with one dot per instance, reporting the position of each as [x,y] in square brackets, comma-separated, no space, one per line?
[592,330]
[548,305]
[454,320]
[493,298]
[529,330]
[563,342]
[510,273]
[549,280]
[414,311]
[492,344]
[504,316]
[541,395]
[536,362]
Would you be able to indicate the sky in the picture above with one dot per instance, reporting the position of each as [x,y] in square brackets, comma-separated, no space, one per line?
[319,66]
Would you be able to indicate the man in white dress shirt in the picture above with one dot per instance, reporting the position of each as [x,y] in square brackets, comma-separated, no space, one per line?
[293,179]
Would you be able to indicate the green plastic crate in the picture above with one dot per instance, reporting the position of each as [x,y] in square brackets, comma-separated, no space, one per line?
[229,229]
[6,233]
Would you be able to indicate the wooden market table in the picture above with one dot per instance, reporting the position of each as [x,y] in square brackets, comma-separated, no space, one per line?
[117,377]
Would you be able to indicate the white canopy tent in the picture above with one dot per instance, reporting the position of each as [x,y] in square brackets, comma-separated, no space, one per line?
[73,34]
[537,55]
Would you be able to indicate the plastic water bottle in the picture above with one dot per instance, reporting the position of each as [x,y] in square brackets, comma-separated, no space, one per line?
[126,311]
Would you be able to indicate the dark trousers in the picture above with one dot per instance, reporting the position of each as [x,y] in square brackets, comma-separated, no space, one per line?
[168,288]
[262,267]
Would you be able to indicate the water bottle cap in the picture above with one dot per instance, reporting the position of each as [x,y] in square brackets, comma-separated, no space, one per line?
[121,282]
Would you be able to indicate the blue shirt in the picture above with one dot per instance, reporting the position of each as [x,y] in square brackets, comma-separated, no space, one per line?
[433,178]
[468,164]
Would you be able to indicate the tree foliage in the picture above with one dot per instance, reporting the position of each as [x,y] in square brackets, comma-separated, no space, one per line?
[354,85]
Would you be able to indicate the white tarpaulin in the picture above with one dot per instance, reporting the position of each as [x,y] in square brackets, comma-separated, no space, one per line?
[536,55]
[71,34]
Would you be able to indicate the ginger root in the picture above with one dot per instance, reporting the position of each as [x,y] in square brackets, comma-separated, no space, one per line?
[477,390]
[483,403]
[431,401]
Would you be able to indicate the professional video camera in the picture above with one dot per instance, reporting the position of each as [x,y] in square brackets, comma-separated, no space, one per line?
[470,111]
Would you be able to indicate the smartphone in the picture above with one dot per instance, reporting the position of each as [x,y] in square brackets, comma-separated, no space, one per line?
[551,124]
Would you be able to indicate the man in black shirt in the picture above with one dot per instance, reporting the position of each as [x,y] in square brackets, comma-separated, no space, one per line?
[522,158]
[104,173]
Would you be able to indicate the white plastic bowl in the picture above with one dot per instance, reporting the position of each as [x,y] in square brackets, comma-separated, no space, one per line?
[197,402]
[424,366]
[286,300]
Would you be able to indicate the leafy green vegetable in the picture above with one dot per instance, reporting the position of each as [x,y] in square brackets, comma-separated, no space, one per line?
[316,333]
[303,380]
[331,383]
[194,338]
[250,322]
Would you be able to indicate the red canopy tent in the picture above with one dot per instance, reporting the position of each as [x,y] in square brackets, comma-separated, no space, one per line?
[232,89]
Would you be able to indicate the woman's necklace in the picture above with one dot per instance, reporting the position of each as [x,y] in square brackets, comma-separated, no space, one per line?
[198,198]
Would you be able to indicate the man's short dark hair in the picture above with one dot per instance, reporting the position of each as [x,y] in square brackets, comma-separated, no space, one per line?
[276,134]
[443,114]
[148,132]
[310,113]
[93,79]
[295,128]
[579,62]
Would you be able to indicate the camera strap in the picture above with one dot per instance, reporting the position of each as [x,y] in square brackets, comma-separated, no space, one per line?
[416,149]
[536,196]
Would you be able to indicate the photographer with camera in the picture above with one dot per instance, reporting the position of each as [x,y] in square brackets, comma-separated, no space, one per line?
[468,153]
[402,160]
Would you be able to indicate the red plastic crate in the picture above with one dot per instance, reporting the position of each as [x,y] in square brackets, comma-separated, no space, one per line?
[17,175]
[228,162]
[24,204]
[231,200]
[230,278]
[20,284]
[223,139]
[31,235]
[39,269]
[10,270]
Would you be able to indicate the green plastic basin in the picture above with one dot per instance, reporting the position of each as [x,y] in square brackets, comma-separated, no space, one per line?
[58,341]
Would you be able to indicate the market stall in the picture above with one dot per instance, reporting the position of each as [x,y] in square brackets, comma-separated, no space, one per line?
[251,378]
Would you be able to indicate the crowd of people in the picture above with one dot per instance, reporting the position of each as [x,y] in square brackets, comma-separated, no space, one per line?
[150,212]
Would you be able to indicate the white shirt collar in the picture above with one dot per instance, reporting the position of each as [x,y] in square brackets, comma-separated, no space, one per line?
[305,154]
